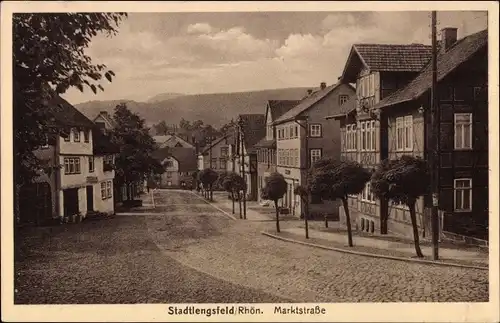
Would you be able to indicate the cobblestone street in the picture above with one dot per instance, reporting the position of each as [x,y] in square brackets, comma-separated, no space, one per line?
[188,251]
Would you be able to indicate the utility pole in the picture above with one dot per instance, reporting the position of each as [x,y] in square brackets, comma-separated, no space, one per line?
[243,169]
[305,126]
[434,146]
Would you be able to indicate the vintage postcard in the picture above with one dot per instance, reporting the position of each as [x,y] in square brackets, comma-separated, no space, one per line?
[249,161]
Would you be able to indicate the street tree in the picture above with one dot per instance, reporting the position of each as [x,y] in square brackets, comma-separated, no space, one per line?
[135,162]
[161,128]
[234,184]
[275,188]
[208,177]
[49,58]
[402,180]
[334,179]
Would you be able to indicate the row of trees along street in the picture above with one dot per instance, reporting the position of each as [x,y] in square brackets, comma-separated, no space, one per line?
[401,180]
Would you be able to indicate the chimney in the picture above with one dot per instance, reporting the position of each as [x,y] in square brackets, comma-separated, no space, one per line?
[323,85]
[448,37]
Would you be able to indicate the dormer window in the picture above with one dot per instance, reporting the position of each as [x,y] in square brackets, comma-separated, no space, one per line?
[86,135]
[76,135]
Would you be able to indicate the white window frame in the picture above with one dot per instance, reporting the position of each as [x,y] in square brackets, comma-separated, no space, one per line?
[109,189]
[363,136]
[462,189]
[76,135]
[367,195]
[461,131]
[72,165]
[315,130]
[313,153]
[91,164]
[103,191]
[404,127]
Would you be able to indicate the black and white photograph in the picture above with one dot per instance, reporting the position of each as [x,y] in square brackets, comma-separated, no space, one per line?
[250,164]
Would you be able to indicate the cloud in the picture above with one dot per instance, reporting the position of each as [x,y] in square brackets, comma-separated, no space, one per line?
[199,28]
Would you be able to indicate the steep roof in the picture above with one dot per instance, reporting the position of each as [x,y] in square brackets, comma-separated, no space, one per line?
[216,142]
[386,58]
[264,143]
[447,61]
[307,103]
[253,128]
[185,156]
[64,114]
[107,118]
[278,107]
[161,139]
[345,109]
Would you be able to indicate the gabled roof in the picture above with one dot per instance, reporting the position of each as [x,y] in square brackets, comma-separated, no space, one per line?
[64,114]
[279,107]
[385,58]
[185,156]
[161,139]
[216,142]
[307,103]
[447,61]
[253,128]
[107,118]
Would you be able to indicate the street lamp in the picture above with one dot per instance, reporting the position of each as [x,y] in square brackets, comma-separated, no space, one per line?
[305,126]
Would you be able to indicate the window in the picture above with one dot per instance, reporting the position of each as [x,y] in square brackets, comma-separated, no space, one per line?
[315,155]
[287,154]
[103,190]
[368,137]
[367,195]
[363,135]
[108,189]
[350,138]
[404,133]
[315,130]
[91,164]
[463,194]
[374,136]
[224,151]
[86,135]
[213,163]
[296,132]
[76,135]
[65,135]
[463,130]
[71,165]
[168,164]
[343,99]
[108,163]
[223,163]
[296,158]
[169,174]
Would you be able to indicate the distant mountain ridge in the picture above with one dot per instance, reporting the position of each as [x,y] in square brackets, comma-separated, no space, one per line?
[215,109]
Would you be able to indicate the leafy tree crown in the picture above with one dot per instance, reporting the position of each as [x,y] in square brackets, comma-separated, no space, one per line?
[401,180]
[275,187]
[233,183]
[208,176]
[331,179]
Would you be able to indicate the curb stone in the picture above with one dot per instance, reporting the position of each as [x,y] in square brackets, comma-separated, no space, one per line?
[360,253]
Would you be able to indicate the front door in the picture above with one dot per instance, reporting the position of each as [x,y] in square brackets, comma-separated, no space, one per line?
[70,200]
[90,198]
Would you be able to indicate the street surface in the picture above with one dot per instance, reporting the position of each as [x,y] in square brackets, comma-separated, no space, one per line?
[192,253]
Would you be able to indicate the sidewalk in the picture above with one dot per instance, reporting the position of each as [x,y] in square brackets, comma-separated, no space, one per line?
[465,256]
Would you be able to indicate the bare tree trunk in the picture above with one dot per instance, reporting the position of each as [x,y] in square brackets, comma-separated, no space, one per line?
[211,193]
[348,220]
[306,217]
[277,216]
[326,220]
[413,217]
[232,199]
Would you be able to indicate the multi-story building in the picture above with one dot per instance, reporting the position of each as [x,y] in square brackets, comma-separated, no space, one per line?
[397,123]
[216,154]
[74,176]
[251,129]
[304,136]
[179,163]
[266,147]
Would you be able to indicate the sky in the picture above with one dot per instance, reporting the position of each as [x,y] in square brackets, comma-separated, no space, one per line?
[194,53]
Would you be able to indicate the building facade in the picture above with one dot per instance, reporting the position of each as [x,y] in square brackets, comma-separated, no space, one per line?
[303,136]
[180,166]
[266,147]
[216,155]
[389,123]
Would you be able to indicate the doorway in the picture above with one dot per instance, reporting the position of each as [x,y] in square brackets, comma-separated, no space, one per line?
[70,200]
[90,198]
